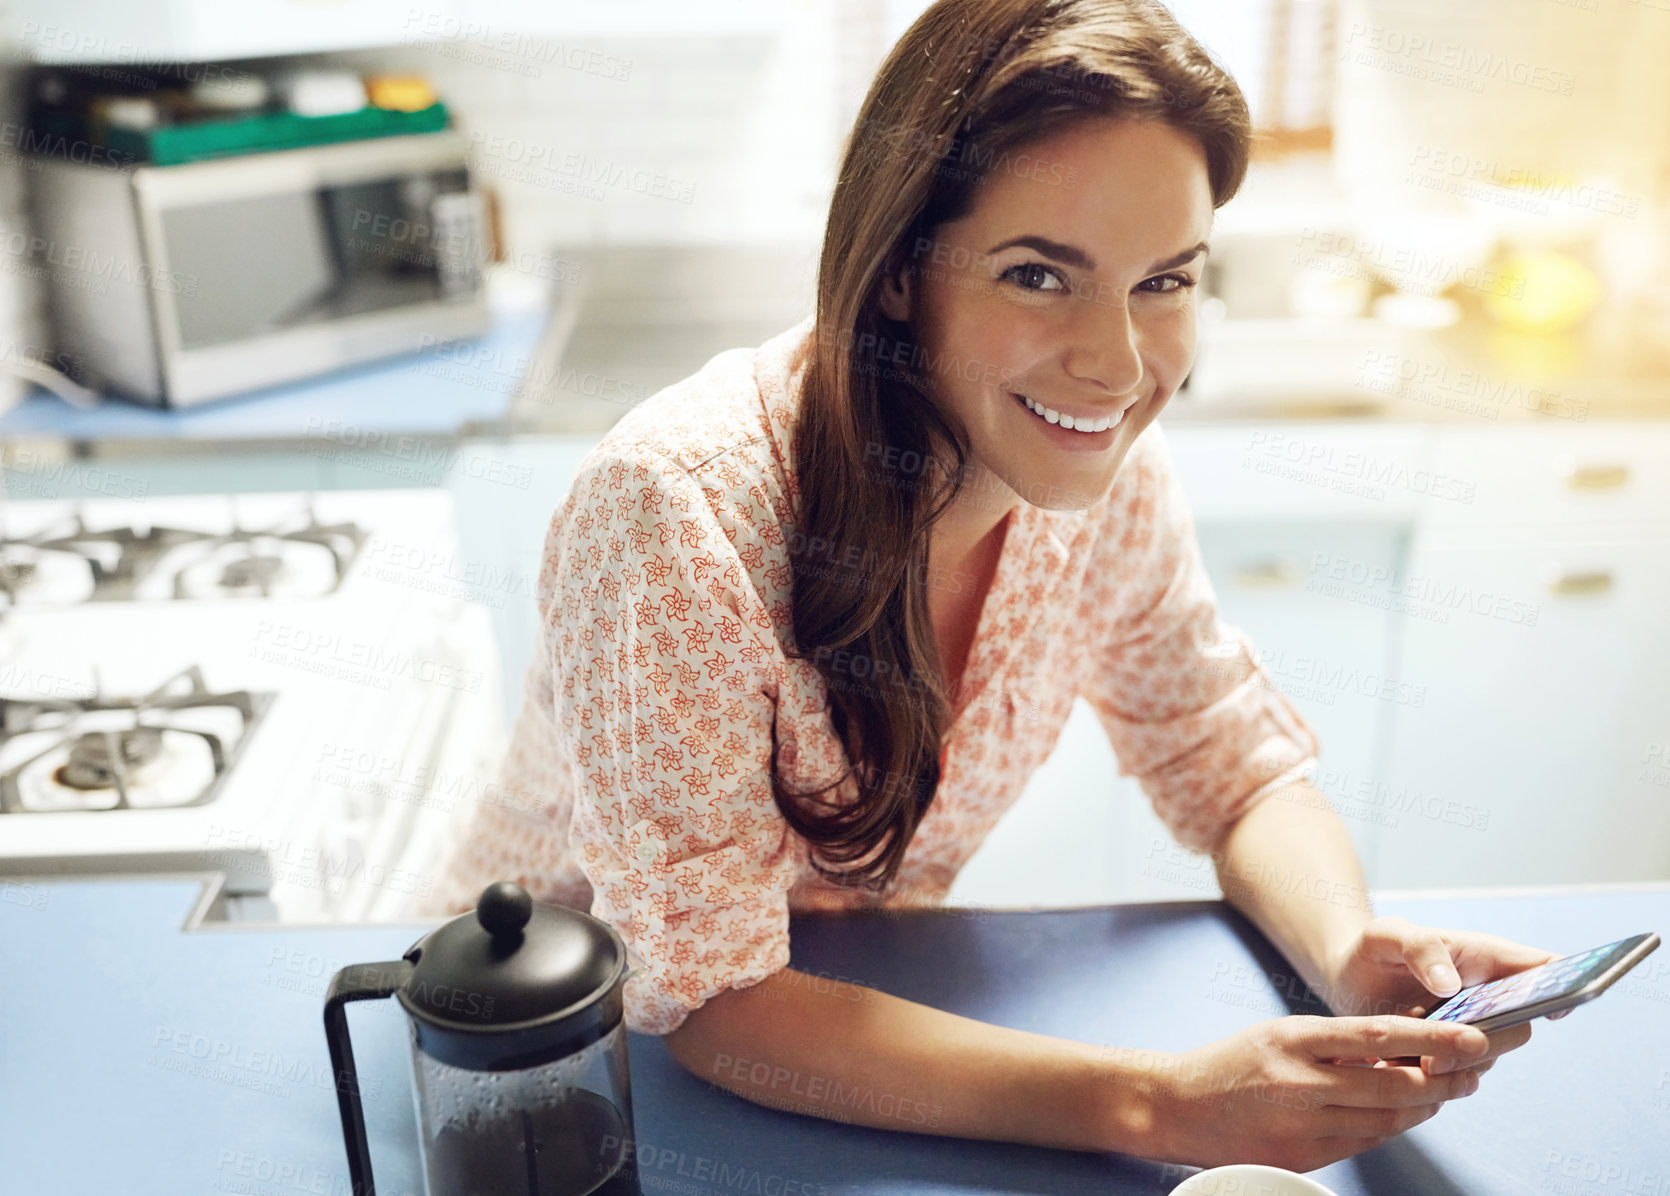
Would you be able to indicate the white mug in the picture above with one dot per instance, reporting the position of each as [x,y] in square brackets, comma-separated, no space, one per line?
[1249,1179]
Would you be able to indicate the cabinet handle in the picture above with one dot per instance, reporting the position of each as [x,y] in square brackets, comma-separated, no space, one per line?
[1597,477]
[1265,574]
[1581,581]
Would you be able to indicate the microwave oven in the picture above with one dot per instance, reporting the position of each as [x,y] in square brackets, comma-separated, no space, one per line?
[173,285]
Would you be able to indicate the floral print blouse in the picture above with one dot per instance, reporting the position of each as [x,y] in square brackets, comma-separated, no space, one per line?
[636,784]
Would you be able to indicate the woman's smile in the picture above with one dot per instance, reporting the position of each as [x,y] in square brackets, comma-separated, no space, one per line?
[1081,433]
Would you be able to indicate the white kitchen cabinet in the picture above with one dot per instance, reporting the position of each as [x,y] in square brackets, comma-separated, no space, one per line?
[502,516]
[142,32]
[1331,645]
[1538,610]
[1539,756]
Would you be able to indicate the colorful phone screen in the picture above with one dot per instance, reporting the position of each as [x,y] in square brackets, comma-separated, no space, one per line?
[1527,987]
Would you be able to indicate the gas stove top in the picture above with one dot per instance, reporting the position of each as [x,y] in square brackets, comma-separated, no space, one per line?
[166,749]
[76,559]
[296,690]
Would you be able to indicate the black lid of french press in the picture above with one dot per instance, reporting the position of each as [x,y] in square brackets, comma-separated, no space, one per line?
[514,983]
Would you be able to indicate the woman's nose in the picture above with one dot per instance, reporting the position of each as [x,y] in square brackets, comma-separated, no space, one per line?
[1105,352]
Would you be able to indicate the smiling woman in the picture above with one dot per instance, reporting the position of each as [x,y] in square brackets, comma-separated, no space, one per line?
[1038,229]
[813,615]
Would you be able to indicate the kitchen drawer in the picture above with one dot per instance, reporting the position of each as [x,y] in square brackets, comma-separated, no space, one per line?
[1313,470]
[1558,474]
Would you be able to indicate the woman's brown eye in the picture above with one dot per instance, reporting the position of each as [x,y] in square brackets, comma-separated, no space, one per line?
[1031,275]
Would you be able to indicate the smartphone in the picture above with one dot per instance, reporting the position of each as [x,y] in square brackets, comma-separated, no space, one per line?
[1547,988]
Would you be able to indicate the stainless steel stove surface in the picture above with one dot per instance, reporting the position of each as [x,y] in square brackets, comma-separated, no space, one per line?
[79,560]
[169,748]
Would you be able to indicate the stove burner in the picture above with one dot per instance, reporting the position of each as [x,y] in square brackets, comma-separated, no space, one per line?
[16,575]
[35,571]
[306,557]
[170,748]
[252,572]
[98,758]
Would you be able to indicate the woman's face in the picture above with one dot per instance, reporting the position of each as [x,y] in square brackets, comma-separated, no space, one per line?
[1071,283]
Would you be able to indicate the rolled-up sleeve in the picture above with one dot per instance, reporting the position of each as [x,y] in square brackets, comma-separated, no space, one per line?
[1187,706]
[665,671]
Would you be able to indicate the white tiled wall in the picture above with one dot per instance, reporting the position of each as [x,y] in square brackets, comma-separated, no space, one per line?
[749,125]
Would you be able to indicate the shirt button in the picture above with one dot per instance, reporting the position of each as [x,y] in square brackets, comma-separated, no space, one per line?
[648,839]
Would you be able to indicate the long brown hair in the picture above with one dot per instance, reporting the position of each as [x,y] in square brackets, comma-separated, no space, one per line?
[968,86]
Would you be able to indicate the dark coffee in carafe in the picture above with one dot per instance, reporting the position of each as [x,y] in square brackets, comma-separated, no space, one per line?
[573,1147]
[518,1032]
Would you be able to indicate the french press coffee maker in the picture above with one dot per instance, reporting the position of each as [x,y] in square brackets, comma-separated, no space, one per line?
[518,1051]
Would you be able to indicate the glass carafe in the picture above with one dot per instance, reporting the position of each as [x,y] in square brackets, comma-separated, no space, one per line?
[518,1050]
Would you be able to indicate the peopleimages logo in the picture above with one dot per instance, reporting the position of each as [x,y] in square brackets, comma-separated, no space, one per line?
[416,451]
[1417,595]
[1411,266]
[50,473]
[533,158]
[1450,62]
[427,26]
[446,998]
[77,259]
[242,1065]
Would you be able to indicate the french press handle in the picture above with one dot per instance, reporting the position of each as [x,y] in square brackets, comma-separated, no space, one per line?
[357,982]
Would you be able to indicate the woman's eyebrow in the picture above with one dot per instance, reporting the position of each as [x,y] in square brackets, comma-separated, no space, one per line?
[1179,259]
[1079,259]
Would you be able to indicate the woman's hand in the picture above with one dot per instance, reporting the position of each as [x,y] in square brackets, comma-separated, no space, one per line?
[1395,966]
[1275,1093]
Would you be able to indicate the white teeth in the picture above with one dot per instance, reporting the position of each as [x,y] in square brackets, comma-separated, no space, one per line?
[1067,421]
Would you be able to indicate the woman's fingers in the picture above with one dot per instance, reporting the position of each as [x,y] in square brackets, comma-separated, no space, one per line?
[1386,1036]
[1501,1042]
[1396,1087]
[1427,956]
[1490,956]
[1375,1123]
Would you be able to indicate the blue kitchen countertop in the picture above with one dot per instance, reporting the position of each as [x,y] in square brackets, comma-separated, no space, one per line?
[434,392]
[141,1058]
